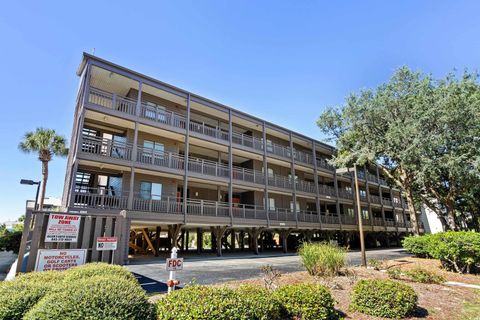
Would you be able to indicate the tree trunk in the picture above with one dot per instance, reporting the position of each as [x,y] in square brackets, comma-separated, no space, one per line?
[44,184]
[411,203]
[451,214]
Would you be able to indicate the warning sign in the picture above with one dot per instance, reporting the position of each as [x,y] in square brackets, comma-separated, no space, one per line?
[59,260]
[62,228]
[106,243]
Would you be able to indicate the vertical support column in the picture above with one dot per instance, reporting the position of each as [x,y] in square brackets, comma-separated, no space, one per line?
[265,171]
[369,202]
[315,179]
[381,200]
[230,166]
[337,204]
[355,207]
[81,121]
[186,155]
[294,181]
[199,240]
[134,149]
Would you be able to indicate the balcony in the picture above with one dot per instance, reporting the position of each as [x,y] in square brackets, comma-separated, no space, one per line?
[106,148]
[389,222]
[346,219]
[377,221]
[112,101]
[372,177]
[375,199]
[330,219]
[387,202]
[342,193]
[247,141]
[327,190]
[323,164]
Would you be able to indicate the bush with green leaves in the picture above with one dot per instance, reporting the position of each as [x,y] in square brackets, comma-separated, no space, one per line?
[10,240]
[424,276]
[98,269]
[322,259]
[307,301]
[19,295]
[420,246]
[204,302]
[458,251]
[394,273]
[383,298]
[96,297]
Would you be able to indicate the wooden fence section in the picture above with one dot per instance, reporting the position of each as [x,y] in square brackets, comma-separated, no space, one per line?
[92,226]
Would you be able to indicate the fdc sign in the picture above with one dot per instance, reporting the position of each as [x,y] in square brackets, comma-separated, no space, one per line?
[175,264]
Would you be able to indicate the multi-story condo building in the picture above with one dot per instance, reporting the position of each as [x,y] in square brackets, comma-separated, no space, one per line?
[170,160]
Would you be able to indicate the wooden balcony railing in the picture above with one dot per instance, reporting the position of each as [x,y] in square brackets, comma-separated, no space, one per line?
[106,147]
[322,163]
[372,177]
[375,199]
[327,190]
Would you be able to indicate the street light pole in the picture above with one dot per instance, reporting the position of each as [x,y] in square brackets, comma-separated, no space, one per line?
[360,218]
[31,183]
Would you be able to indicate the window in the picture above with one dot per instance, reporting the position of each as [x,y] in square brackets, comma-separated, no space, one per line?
[363,193]
[150,190]
[152,145]
[290,177]
[365,214]
[348,189]
[270,172]
[155,111]
[271,203]
[269,145]
[350,212]
[297,206]
[396,200]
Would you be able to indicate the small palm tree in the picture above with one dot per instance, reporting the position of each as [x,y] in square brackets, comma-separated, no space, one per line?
[47,143]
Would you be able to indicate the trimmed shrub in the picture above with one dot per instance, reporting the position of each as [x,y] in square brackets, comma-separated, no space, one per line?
[419,245]
[375,264]
[98,269]
[307,301]
[458,251]
[97,297]
[19,295]
[258,303]
[203,302]
[424,276]
[198,302]
[322,259]
[383,298]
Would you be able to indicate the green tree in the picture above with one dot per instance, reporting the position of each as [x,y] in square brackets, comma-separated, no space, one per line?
[423,133]
[46,143]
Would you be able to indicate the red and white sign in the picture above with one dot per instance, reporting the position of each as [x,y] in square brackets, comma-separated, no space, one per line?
[59,260]
[62,228]
[174,264]
[106,243]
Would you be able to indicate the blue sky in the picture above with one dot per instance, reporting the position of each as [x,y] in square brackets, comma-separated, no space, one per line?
[284,61]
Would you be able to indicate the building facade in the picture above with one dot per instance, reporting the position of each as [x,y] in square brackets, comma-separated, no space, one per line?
[170,160]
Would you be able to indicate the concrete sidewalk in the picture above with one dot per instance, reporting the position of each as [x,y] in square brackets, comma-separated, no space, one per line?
[211,270]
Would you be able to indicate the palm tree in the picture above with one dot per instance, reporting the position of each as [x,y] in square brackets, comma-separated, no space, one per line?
[47,143]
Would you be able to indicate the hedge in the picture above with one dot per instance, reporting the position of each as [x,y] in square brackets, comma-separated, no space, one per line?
[458,251]
[307,301]
[97,297]
[98,269]
[19,295]
[383,298]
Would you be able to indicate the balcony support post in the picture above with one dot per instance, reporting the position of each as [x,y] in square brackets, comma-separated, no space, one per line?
[130,189]
[381,199]
[265,172]
[81,121]
[337,203]
[369,201]
[230,166]
[315,179]
[186,154]
[294,181]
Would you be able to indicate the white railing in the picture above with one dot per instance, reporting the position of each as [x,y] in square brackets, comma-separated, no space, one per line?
[101,197]
[248,175]
[280,182]
[279,150]
[305,186]
[112,101]
[160,158]
[163,116]
[204,129]
[247,141]
[208,167]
